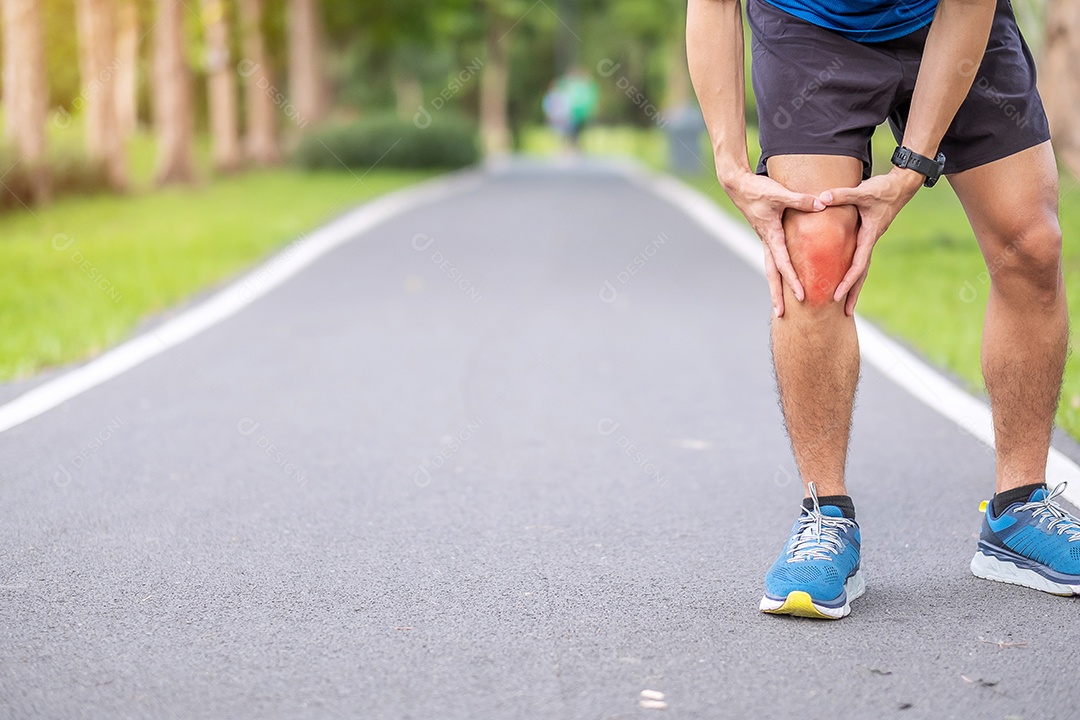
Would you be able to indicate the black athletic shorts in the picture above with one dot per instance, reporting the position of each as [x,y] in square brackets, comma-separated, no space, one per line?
[819,93]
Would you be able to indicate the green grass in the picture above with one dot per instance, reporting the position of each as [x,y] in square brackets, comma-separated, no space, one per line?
[79,275]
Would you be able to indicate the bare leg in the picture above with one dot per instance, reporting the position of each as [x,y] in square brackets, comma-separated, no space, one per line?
[815,347]
[1012,205]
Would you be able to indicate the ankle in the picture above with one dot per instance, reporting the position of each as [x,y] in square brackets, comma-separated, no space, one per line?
[843,502]
[1005,498]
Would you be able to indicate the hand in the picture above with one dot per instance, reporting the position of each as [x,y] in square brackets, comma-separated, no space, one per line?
[763,202]
[878,200]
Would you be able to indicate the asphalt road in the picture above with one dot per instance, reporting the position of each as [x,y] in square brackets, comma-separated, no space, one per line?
[513,454]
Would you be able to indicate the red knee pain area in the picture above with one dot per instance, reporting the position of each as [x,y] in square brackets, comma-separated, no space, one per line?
[821,255]
[822,268]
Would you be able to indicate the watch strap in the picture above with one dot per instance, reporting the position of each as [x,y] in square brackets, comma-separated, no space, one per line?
[906,158]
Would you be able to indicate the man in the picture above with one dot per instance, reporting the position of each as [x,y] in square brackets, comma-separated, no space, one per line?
[825,74]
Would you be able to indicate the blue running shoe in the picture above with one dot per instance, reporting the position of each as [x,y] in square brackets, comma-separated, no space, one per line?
[1035,544]
[818,574]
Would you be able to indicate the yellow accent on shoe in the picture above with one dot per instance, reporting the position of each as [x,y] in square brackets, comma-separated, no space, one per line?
[982,506]
[798,603]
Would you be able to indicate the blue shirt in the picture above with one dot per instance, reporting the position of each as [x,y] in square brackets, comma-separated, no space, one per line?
[863,20]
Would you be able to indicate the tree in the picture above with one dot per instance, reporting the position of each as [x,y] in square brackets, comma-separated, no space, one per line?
[307,80]
[260,141]
[26,89]
[679,90]
[409,42]
[1060,84]
[97,65]
[127,67]
[221,88]
[494,114]
[172,101]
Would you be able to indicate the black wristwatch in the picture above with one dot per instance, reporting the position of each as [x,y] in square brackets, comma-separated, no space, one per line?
[905,158]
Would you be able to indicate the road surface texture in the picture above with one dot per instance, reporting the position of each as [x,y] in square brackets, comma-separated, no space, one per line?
[515,453]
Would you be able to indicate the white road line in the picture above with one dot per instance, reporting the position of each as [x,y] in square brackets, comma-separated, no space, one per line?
[972,416]
[230,300]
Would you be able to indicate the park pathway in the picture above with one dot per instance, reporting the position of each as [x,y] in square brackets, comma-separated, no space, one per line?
[514,453]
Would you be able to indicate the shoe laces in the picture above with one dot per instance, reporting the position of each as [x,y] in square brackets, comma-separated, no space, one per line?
[1059,519]
[819,535]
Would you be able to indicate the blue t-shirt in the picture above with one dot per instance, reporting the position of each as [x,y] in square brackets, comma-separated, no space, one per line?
[863,20]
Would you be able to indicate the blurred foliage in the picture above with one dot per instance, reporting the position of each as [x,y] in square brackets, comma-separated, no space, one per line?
[374,44]
[432,43]
[61,52]
[75,174]
[69,173]
[377,47]
[388,141]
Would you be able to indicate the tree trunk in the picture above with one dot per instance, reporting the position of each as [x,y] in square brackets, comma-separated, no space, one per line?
[171,88]
[307,82]
[221,88]
[1060,82]
[97,65]
[494,113]
[408,93]
[678,75]
[260,143]
[11,18]
[26,90]
[127,71]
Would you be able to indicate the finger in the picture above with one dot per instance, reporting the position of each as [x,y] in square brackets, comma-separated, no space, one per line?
[858,267]
[853,294]
[800,201]
[864,245]
[778,245]
[776,287]
[842,196]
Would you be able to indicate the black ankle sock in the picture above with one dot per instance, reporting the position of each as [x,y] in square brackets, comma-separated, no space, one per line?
[847,507]
[1021,494]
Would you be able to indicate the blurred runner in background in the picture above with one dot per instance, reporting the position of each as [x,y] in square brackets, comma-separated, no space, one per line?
[570,103]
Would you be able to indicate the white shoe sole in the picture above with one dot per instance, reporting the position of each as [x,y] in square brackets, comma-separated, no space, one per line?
[989,567]
[799,602]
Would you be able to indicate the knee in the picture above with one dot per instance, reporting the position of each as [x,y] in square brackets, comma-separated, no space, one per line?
[1027,261]
[821,246]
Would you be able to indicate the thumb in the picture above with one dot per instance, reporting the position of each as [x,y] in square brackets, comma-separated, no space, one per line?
[841,196]
[803,202]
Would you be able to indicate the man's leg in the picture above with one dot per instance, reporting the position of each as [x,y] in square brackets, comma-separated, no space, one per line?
[816,354]
[815,348]
[1026,538]
[1012,205]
